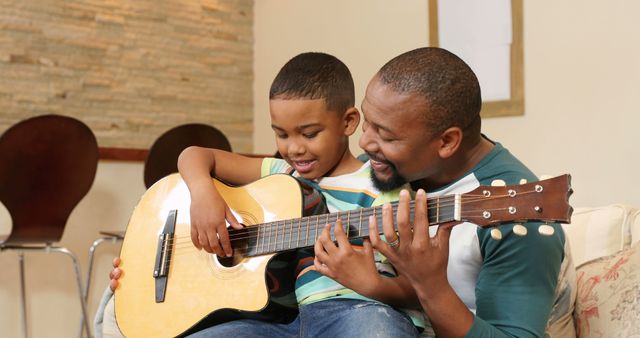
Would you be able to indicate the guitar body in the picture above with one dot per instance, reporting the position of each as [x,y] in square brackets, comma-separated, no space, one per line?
[197,283]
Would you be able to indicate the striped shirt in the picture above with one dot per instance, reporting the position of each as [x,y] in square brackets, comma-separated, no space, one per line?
[345,192]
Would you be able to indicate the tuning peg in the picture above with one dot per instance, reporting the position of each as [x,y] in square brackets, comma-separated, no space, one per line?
[498,183]
[546,230]
[520,230]
[523,181]
[496,234]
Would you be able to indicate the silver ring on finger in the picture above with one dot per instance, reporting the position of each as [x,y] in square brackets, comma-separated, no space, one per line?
[394,244]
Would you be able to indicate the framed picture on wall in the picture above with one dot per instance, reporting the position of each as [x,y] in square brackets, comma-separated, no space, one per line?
[487,34]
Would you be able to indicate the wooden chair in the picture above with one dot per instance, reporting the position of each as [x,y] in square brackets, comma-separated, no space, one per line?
[161,161]
[47,165]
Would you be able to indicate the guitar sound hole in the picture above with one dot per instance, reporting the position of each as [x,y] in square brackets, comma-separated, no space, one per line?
[239,242]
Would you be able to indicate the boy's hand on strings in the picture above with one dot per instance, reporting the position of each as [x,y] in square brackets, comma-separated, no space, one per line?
[209,212]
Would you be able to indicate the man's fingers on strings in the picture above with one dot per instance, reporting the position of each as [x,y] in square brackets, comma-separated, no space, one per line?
[341,237]
[404,219]
[375,239]
[388,229]
[320,252]
[421,219]
[326,241]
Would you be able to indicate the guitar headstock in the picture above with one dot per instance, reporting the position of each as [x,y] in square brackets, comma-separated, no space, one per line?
[545,201]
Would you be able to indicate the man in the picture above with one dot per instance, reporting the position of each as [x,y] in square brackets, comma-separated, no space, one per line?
[422,125]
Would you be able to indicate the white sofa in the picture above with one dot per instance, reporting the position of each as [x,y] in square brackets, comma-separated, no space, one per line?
[606,251]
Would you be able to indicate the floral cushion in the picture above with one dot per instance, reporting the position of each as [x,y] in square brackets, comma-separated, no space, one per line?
[608,300]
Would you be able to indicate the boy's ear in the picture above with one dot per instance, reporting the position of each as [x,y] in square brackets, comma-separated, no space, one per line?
[450,141]
[351,119]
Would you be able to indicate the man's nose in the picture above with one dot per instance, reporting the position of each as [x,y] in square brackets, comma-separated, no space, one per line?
[367,143]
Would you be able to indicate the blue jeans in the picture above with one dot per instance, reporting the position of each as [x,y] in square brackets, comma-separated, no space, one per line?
[330,318]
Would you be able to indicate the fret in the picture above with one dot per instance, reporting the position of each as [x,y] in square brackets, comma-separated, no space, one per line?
[315,233]
[306,238]
[325,223]
[259,242]
[360,224]
[268,237]
[336,224]
[444,212]
[375,217]
[282,234]
[290,233]
[298,240]
[348,221]
[275,236]
[252,241]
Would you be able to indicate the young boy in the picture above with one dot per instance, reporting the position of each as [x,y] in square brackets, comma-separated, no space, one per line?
[312,115]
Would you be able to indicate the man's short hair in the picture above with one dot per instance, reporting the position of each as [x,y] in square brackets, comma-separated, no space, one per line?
[448,85]
[315,76]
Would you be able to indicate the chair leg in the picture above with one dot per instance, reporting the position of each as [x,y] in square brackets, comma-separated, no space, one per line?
[87,284]
[80,288]
[23,294]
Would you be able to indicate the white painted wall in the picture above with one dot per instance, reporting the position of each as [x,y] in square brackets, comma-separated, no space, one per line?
[581,79]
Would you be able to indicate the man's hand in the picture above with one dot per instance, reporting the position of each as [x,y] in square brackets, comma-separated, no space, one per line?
[353,269]
[420,258]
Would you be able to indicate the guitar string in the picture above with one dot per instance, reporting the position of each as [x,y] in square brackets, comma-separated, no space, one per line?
[281,225]
[185,241]
[277,243]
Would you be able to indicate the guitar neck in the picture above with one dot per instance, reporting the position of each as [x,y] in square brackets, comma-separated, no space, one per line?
[485,206]
[291,234]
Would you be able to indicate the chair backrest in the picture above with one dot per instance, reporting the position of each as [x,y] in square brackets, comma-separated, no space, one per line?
[162,159]
[47,165]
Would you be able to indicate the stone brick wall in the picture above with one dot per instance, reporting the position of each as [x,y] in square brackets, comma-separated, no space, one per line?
[129,69]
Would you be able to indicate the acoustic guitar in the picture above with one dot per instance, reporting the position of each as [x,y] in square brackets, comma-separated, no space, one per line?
[168,286]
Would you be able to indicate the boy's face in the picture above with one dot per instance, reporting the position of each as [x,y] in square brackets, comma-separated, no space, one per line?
[310,138]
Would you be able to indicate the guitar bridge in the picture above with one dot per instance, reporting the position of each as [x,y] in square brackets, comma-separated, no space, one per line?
[163,256]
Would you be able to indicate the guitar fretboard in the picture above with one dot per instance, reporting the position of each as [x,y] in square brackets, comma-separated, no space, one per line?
[285,235]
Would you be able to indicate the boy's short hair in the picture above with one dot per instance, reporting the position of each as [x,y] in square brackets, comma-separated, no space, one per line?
[315,76]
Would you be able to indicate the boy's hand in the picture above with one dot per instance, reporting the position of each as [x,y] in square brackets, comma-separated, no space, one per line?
[208,214]
[353,269]
[115,274]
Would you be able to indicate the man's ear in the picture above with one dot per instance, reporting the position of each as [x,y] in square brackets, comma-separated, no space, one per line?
[351,120]
[450,141]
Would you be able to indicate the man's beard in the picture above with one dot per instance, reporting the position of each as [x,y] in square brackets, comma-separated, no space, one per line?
[394,182]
